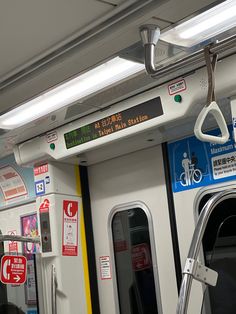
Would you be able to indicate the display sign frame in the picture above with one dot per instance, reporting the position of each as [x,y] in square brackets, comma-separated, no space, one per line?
[114,123]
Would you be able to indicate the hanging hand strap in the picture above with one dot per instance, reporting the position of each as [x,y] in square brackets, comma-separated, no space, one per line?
[211,66]
[211,107]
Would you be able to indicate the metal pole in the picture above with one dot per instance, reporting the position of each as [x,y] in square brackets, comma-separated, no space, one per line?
[54,290]
[150,36]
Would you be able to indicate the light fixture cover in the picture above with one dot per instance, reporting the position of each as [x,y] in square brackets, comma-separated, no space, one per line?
[73,90]
[204,26]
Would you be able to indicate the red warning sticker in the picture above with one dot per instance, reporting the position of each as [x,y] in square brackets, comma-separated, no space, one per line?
[44,206]
[70,228]
[40,169]
[13,269]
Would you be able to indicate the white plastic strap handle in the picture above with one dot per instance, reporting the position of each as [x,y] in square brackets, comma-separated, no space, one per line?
[213,109]
[211,106]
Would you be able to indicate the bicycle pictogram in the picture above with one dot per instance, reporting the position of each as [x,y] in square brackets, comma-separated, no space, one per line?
[191,174]
[195,176]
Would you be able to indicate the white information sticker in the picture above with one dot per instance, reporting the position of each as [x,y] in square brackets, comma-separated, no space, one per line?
[105,268]
[11,183]
[177,87]
[51,136]
[224,166]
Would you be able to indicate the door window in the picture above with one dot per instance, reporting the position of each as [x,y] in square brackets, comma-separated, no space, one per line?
[219,246]
[134,262]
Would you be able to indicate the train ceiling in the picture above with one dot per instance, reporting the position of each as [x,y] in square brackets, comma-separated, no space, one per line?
[46,42]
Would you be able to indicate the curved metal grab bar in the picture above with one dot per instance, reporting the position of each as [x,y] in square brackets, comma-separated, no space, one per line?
[195,246]
[150,35]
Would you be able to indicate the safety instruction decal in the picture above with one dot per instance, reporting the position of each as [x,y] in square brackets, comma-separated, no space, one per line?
[70,228]
[105,268]
[195,164]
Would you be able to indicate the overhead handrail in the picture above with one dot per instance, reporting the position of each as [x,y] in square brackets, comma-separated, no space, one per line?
[150,35]
[211,106]
[195,246]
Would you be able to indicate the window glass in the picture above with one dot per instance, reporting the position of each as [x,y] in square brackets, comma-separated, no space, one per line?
[134,262]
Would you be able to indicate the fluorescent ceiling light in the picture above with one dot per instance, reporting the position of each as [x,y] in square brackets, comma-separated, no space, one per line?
[204,26]
[77,88]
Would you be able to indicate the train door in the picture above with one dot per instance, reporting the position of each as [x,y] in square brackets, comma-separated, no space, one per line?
[219,250]
[19,293]
[133,246]
[215,230]
[205,184]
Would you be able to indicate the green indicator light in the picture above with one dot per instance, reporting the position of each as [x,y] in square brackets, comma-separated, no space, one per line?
[178,98]
[52,146]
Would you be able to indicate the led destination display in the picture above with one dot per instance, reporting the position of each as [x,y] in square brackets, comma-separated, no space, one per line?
[114,123]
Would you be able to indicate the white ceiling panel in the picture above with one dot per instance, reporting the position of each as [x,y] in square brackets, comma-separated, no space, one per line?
[28,28]
[173,11]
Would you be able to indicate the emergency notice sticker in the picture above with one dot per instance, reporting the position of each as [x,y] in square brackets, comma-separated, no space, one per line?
[13,269]
[105,268]
[11,183]
[70,228]
[177,87]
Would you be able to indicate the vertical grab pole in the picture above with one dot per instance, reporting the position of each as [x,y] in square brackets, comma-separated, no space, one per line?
[54,289]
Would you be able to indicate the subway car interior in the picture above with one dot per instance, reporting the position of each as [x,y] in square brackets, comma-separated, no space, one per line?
[118,157]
